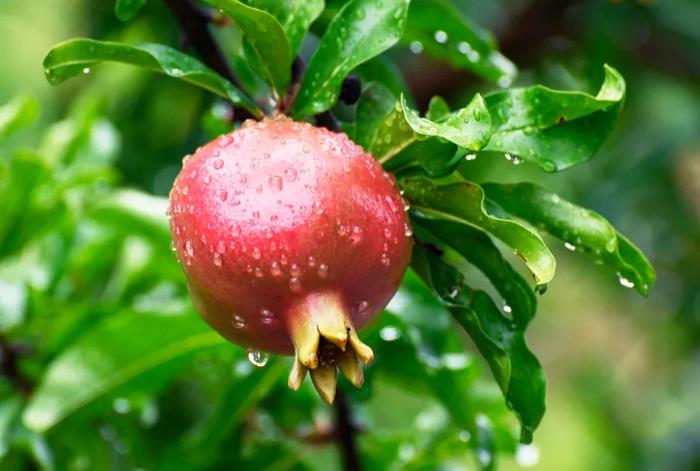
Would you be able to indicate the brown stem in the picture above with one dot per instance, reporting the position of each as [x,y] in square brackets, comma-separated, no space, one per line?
[345,432]
[195,24]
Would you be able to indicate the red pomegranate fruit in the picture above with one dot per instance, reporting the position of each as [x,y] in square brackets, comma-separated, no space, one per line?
[291,238]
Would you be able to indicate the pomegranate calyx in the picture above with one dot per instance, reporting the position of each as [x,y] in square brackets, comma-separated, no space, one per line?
[325,340]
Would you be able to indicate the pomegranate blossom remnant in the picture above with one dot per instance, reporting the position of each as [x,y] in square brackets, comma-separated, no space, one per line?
[292,238]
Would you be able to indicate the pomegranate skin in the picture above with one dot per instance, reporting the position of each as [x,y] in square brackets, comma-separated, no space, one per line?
[277,213]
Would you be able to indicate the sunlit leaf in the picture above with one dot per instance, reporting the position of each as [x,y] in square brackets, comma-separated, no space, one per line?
[295,16]
[76,56]
[127,9]
[361,30]
[439,29]
[581,229]
[463,203]
[265,37]
[554,129]
[500,341]
[116,353]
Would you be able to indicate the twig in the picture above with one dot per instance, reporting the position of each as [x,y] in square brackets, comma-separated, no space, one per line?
[345,432]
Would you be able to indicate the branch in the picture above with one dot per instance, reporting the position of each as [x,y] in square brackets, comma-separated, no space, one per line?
[345,432]
[195,24]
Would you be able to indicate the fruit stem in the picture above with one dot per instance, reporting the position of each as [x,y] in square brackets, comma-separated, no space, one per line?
[345,432]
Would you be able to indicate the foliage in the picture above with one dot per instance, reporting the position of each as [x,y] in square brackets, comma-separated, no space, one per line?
[87,279]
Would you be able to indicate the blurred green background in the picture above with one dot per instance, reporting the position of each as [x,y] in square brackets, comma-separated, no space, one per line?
[623,372]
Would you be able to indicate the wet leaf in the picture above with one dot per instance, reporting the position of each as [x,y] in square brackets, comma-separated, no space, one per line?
[76,56]
[581,229]
[265,37]
[361,30]
[295,16]
[463,203]
[500,341]
[551,128]
[437,28]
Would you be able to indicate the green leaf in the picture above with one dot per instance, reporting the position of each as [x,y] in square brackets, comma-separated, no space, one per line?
[113,355]
[76,56]
[468,127]
[479,250]
[295,16]
[463,203]
[555,129]
[439,29]
[582,229]
[19,113]
[384,71]
[374,106]
[127,9]
[500,341]
[361,30]
[265,37]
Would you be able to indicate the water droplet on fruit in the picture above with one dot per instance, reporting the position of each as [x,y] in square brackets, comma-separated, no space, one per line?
[295,284]
[256,253]
[385,259]
[407,230]
[356,235]
[342,230]
[312,261]
[256,214]
[266,155]
[389,333]
[275,183]
[387,233]
[207,179]
[259,272]
[362,306]
[238,322]
[392,204]
[323,270]
[223,194]
[306,149]
[275,269]
[257,358]
[283,259]
[318,209]
[294,270]
[236,230]
[225,140]
[290,174]
[185,190]
[627,283]
[218,163]
[218,259]
[266,316]
[221,247]
[189,248]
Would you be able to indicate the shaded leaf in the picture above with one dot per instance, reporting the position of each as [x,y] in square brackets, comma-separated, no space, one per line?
[374,106]
[361,30]
[127,9]
[111,356]
[295,16]
[19,113]
[76,56]
[439,29]
[551,128]
[500,341]
[266,38]
[580,228]
[479,250]
[463,203]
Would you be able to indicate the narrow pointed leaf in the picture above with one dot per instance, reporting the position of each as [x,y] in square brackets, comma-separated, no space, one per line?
[127,9]
[463,203]
[295,16]
[551,128]
[99,364]
[439,29]
[76,56]
[583,229]
[500,341]
[265,37]
[361,30]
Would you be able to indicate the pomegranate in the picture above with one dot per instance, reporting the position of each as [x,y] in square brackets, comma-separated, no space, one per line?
[291,238]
